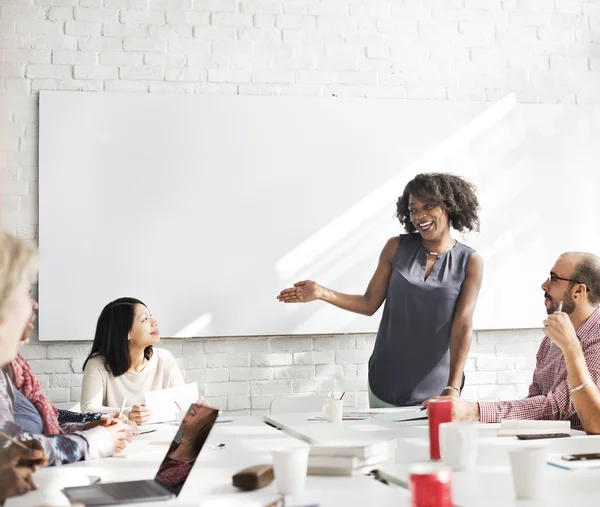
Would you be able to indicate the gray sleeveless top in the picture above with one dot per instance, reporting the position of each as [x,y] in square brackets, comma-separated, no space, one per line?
[411,357]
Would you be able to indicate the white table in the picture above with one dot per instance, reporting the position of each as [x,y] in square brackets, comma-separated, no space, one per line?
[247,442]
[301,426]
[491,482]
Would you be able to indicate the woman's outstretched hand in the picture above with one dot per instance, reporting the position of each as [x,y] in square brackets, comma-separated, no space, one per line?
[302,292]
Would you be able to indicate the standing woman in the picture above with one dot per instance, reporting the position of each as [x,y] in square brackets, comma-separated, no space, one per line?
[430,283]
[123,362]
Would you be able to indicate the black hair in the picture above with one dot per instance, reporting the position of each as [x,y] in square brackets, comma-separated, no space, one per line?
[455,194]
[110,340]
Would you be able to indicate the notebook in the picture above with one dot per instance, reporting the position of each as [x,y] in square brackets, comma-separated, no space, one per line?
[362,449]
[557,461]
[513,427]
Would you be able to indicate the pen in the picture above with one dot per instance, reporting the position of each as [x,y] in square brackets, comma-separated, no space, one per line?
[16,442]
[559,307]
[280,502]
[422,408]
[122,406]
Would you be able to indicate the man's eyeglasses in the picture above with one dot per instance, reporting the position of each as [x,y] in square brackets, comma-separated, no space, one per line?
[554,278]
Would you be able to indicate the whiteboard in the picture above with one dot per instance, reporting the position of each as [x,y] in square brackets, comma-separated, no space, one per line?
[205,207]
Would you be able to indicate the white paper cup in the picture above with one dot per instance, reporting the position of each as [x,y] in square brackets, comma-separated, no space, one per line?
[458,445]
[290,467]
[333,410]
[528,465]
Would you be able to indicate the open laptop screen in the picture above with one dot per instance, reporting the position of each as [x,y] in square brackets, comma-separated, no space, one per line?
[186,447]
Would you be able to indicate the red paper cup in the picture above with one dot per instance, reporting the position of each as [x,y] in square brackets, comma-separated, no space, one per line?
[438,411]
[430,485]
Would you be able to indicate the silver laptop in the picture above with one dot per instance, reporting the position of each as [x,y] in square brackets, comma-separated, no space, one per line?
[171,475]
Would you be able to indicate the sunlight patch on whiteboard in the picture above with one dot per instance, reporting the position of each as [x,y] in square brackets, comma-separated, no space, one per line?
[316,246]
[196,327]
[362,245]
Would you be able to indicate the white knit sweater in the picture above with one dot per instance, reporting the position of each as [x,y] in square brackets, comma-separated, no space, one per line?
[102,392]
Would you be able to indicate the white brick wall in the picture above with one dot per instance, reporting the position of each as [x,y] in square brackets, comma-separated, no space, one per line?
[540,50]
[243,375]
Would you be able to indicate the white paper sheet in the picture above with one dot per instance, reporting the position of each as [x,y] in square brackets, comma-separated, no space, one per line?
[164,402]
[408,414]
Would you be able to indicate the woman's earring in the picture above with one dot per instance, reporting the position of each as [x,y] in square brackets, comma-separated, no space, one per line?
[128,337]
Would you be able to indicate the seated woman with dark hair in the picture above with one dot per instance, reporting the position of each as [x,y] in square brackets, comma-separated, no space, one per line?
[123,363]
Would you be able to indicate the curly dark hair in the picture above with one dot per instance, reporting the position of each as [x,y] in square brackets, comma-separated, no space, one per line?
[455,194]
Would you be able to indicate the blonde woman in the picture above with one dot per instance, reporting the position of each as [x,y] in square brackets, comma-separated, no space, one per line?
[18,265]
[17,268]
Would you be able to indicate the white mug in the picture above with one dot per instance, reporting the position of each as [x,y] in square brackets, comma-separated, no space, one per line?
[333,410]
[290,467]
[458,445]
[528,465]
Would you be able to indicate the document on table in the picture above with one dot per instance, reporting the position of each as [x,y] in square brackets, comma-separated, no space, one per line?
[408,414]
[165,404]
[512,427]
[393,414]
[557,461]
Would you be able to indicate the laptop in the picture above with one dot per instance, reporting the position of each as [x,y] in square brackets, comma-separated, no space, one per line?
[172,473]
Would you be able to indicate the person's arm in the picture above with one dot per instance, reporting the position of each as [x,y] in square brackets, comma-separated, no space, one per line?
[70,422]
[61,449]
[462,323]
[15,481]
[491,412]
[587,399]
[58,448]
[582,366]
[68,417]
[93,387]
[555,405]
[366,304]
[558,404]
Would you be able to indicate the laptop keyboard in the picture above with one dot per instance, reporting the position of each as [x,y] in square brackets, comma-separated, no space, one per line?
[136,489]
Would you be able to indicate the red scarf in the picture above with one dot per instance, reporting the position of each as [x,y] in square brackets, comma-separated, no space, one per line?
[29,386]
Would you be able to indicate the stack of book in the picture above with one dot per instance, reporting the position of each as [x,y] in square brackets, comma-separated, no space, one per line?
[349,458]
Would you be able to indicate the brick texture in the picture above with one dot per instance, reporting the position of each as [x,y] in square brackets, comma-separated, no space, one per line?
[542,51]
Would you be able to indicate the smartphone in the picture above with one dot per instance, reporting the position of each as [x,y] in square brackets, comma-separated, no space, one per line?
[581,457]
[542,436]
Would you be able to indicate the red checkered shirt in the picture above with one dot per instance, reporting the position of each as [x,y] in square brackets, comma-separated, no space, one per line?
[549,396]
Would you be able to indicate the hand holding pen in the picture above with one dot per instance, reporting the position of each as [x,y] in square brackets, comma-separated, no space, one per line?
[559,329]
